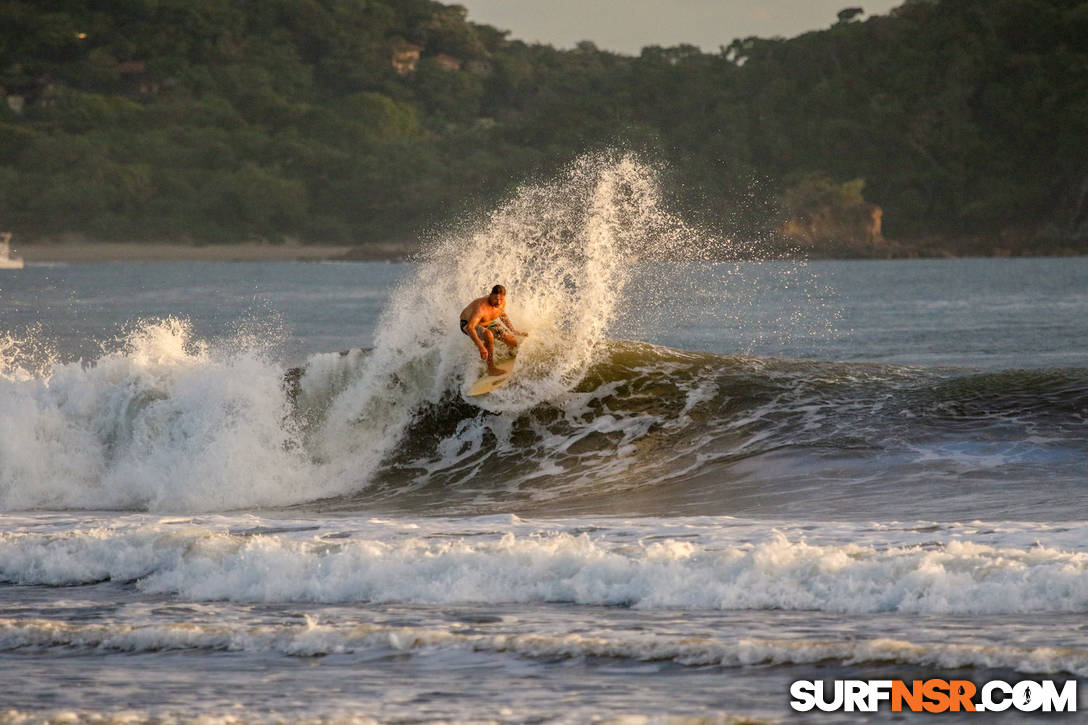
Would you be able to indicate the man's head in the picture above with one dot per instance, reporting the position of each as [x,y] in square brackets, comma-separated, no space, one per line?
[498,294]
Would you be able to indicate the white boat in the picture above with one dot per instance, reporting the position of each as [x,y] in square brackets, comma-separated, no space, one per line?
[6,260]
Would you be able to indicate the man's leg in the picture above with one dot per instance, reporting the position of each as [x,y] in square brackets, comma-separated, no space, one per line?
[509,339]
[489,343]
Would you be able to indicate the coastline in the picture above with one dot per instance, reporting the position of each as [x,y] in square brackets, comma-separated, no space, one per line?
[93,252]
[99,252]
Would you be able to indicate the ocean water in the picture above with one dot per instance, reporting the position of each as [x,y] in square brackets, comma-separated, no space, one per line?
[257,492]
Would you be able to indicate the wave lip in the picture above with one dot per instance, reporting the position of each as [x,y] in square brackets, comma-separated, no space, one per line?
[955,577]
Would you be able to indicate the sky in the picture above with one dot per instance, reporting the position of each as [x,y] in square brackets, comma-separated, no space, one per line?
[626,26]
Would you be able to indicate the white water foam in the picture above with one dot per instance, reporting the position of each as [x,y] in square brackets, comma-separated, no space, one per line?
[526,566]
[161,423]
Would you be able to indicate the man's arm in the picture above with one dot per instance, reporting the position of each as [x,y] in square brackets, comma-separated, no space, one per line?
[506,321]
[473,323]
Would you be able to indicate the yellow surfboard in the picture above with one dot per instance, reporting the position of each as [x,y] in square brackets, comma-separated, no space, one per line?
[487,383]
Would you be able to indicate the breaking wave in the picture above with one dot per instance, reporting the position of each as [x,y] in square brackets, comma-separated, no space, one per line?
[167,424]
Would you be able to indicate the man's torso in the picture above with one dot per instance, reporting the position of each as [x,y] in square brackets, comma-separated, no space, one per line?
[488,314]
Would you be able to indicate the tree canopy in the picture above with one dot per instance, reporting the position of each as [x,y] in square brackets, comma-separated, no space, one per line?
[367,120]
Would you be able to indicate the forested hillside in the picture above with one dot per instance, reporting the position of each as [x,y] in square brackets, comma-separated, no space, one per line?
[963,122]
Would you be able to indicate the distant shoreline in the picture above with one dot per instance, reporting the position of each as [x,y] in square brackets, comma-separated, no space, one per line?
[93,252]
[104,252]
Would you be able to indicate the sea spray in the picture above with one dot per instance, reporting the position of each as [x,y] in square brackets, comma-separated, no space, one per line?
[25,355]
[563,249]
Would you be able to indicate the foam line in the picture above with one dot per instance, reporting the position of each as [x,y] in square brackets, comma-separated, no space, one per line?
[956,577]
[313,639]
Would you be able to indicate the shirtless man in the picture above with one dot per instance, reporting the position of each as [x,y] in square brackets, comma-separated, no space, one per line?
[484,320]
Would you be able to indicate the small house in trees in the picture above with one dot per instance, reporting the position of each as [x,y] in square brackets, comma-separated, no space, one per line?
[406,57]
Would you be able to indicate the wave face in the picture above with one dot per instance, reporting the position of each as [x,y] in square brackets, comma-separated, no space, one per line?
[661,423]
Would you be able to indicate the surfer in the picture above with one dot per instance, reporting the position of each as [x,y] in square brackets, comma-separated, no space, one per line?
[485,319]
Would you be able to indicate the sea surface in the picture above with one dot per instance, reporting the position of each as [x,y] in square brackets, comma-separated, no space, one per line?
[241,493]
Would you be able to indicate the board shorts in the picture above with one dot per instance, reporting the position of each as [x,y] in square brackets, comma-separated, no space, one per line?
[497,328]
